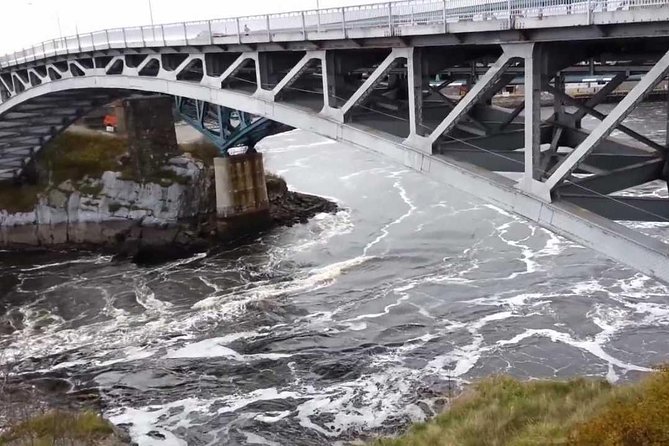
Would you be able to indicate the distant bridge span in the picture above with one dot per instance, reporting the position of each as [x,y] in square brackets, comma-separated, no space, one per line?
[366,76]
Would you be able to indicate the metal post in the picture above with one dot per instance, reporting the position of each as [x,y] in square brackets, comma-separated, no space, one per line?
[125,38]
[508,8]
[93,41]
[211,35]
[304,27]
[162,32]
[667,137]
[239,34]
[318,15]
[443,16]
[107,37]
[269,33]
[185,33]
[343,21]
[390,19]
[589,12]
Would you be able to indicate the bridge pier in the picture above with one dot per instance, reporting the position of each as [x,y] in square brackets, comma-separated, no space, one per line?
[241,191]
[152,139]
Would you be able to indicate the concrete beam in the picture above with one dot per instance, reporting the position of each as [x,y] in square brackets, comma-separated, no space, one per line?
[624,208]
[615,180]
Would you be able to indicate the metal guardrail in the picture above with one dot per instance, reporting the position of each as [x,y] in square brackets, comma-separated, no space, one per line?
[388,15]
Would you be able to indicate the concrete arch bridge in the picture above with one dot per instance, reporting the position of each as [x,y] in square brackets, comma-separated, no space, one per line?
[364,75]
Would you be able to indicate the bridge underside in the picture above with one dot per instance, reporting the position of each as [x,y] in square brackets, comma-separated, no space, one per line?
[34,123]
[395,100]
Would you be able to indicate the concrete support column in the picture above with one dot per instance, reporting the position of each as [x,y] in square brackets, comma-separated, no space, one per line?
[152,139]
[240,187]
[533,73]
[332,80]
[665,169]
[265,71]
[415,87]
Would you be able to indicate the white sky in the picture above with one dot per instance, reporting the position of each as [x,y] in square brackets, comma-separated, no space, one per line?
[28,22]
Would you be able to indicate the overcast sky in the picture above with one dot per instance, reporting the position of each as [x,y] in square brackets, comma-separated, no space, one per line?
[28,22]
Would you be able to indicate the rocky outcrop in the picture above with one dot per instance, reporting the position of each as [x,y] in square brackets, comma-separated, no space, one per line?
[111,209]
[153,220]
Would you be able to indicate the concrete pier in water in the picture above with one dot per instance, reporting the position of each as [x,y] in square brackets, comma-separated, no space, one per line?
[241,191]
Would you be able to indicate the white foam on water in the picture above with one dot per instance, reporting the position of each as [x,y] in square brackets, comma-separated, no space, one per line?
[385,230]
[147,299]
[147,419]
[314,279]
[363,404]
[215,347]
[326,226]
[592,346]
[465,357]
[99,259]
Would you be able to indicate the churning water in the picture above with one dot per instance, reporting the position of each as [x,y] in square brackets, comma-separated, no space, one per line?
[348,326]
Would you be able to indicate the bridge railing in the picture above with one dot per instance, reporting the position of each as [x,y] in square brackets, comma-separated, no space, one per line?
[389,16]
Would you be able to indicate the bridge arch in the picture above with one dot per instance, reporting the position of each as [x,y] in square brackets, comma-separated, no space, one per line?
[28,99]
[494,141]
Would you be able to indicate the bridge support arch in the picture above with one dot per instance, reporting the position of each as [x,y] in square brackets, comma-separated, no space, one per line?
[385,99]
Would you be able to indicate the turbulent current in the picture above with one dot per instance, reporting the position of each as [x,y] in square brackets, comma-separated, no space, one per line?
[346,327]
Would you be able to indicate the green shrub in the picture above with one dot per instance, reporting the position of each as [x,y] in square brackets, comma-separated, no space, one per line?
[503,411]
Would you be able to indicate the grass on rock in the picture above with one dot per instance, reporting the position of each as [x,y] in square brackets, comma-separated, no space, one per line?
[503,411]
[58,427]
[75,156]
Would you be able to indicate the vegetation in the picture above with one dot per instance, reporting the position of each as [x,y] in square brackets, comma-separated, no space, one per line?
[73,156]
[203,151]
[76,156]
[59,427]
[502,411]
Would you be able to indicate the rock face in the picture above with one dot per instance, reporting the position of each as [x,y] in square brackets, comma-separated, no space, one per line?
[111,209]
[170,216]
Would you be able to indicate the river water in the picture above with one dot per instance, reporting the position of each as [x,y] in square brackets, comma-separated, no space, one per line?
[343,328]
